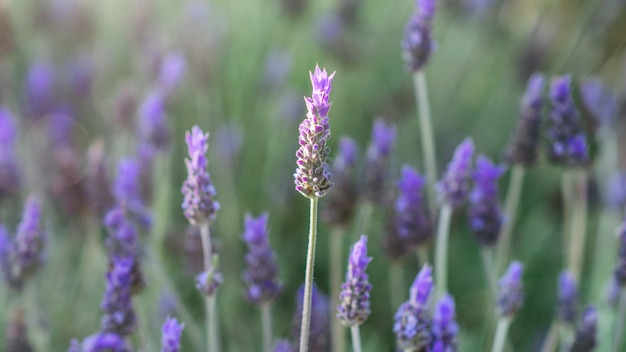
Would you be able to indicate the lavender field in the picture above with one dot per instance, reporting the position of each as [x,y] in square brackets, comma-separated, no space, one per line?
[296,175]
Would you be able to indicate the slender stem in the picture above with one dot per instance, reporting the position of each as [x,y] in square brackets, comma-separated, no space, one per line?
[566,193]
[426,132]
[487,254]
[266,323]
[363,219]
[501,331]
[396,285]
[441,250]
[308,278]
[356,338]
[335,250]
[513,193]
[213,344]
[579,224]
[618,333]
[552,339]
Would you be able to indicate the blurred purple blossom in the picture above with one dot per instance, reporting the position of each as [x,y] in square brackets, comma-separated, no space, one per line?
[9,168]
[412,320]
[567,298]
[511,294]
[153,126]
[598,100]
[210,280]
[616,190]
[484,213]
[586,334]
[417,44]
[40,89]
[172,331]
[341,203]
[620,268]
[454,186]
[444,326]
[100,341]
[119,317]
[27,250]
[283,346]
[354,298]
[171,72]
[377,161]
[412,217]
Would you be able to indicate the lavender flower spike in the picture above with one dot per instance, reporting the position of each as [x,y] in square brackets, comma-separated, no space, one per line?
[261,275]
[567,298]
[417,44]
[485,213]
[9,173]
[101,341]
[119,317]
[524,143]
[412,321]
[586,335]
[313,177]
[341,204]
[455,184]
[198,204]
[153,126]
[511,295]
[377,160]
[354,306]
[444,327]
[412,218]
[170,340]
[28,246]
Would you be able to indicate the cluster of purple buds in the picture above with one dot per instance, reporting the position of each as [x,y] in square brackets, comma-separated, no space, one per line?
[210,280]
[566,138]
[354,298]
[9,170]
[567,298]
[101,341]
[312,177]
[377,162]
[283,346]
[412,224]
[524,144]
[319,334]
[341,203]
[599,101]
[444,326]
[417,44]
[153,128]
[586,335]
[127,191]
[172,331]
[485,215]
[511,294]
[119,317]
[454,186]
[620,268]
[412,325]
[40,89]
[261,274]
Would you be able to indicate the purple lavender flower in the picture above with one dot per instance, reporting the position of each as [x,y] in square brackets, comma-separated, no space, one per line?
[119,317]
[40,82]
[354,298]
[412,320]
[312,176]
[586,335]
[444,327]
[210,280]
[341,204]
[27,252]
[620,268]
[567,298]
[100,341]
[319,335]
[377,161]
[417,44]
[126,185]
[98,183]
[523,145]
[5,254]
[9,173]
[484,212]
[261,275]
[566,138]
[198,205]
[511,295]
[153,126]
[283,346]
[122,235]
[17,333]
[598,100]
[411,216]
[616,190]
[455,184]
[171,72]
[170,340]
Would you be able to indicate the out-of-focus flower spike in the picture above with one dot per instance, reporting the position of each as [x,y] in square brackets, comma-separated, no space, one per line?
[484,213]
[377,162]
[417,44]
[411,214]
[586,335]
[27,253]
[341,203]
[567,298]
[412,325]
[171,72]
[354,298]
[444,326]
[511,294]
[171,333]
[454,186]
[119,317]
[9,170]
[153,126]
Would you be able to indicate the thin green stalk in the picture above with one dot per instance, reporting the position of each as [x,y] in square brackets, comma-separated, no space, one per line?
[552,339]
[335,250]
[427,136]
[266,323]
[490,273]
[396,285]
[513,194]
[618,333]
[501,331]
[213,344]
[441,250]
[579,224]
[356,338]
[308,278]
[566,193]
[363,219]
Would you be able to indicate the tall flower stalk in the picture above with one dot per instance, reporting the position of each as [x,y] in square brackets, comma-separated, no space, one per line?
[312,177]
[200,209]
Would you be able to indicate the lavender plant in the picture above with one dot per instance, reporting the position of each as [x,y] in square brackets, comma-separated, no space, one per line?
[510,300]
[444,326]
[412,325]
[172,331]
[9,168]
[585,340]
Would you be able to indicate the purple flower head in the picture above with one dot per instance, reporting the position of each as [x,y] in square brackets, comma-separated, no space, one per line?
[524,143]
[27,252]
[40,89]
[319,335]
[119,317]
[122,238]
[153,126]
[8,132]
[171,72]
[412,321]
[341,204]
[620,268]
[312,176]
[5,253]
[586,334]
[261,274]
[599,101]
[198,205]
[566,137]
[209,281]
[283,346]
[616,190]
[484,212]
[101,341]
[511,295]
[444,327]
[377,161]
[354,298]
[9,170]
[421,287]
[567,298]
[411,216]
[455,184]
[170,340]
[417,44]
[126,185]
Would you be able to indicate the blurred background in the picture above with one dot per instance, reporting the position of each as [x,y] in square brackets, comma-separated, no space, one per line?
[77,77]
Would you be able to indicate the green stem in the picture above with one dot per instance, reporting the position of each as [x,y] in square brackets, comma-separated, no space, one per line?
[356,338]
[266,323]
[579,224]
[513,194]
[566,193]
[308,278]
[618,333]
[501,331]
[363,219]
[396,285]
[335,250]
[441,250]
[426,132]
[487,254]
[213,344]
[552,339]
